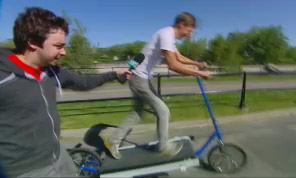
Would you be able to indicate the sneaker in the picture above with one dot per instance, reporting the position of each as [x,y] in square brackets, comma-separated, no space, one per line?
[115,151]
[172,149]
[113,148]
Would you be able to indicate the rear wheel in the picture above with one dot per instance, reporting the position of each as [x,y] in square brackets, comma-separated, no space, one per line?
[87,161]
[226,158]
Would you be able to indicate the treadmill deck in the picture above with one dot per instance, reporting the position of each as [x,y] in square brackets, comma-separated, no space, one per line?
[145,156]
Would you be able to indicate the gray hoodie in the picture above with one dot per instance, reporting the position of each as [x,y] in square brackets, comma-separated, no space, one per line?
[29,120]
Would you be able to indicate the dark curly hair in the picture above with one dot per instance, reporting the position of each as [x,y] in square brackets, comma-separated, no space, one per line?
[34,25]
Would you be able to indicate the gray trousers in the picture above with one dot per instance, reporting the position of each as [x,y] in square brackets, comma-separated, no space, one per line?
[144,93]
[63,167]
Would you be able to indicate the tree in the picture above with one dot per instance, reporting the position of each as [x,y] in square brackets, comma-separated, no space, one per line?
[132,49]
[79,52]
[291,55]
[115,50]
[266,44]
[125,51]
[193,49]
[217,51]
[225,52]
[236,45]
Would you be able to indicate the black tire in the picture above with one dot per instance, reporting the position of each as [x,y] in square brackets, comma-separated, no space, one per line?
[228,158]
[86,158]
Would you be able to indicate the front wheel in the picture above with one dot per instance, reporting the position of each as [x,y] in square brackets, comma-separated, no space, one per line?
[226,158]
[87,161]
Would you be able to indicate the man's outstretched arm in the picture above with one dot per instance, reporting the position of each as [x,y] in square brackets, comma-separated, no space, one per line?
[75,81]
[185,60]
[175,65]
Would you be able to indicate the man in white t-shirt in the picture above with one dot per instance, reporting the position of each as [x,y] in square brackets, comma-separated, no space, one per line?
[163,44]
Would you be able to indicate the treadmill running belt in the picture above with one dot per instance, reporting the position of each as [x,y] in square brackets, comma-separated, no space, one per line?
[144,156]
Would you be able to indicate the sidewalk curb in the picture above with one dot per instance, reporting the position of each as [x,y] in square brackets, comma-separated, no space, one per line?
[144,128]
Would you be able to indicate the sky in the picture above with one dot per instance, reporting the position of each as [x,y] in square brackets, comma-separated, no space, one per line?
[111,22]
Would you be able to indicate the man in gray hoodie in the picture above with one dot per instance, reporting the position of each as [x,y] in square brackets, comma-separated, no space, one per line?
[29,120]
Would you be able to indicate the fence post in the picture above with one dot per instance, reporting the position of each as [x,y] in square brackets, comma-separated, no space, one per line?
[159,84]
[242,104]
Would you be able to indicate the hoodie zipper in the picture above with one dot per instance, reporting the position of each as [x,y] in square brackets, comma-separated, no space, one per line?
[48,113]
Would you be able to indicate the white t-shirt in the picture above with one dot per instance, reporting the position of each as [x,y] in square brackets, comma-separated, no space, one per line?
[163,39]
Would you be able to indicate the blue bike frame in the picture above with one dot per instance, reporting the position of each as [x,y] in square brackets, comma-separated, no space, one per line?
[217,134]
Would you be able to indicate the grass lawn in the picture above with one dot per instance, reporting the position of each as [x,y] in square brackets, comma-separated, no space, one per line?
[84,115]
[230,78]
[184,80]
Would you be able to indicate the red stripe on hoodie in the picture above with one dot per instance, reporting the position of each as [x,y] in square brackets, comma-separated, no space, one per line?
[36,73]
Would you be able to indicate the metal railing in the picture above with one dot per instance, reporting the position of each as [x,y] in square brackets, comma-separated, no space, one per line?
[242,103]
[244,74]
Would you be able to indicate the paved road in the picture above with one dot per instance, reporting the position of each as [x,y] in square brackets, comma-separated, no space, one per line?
[123,91]
[270,145]
[269,142]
